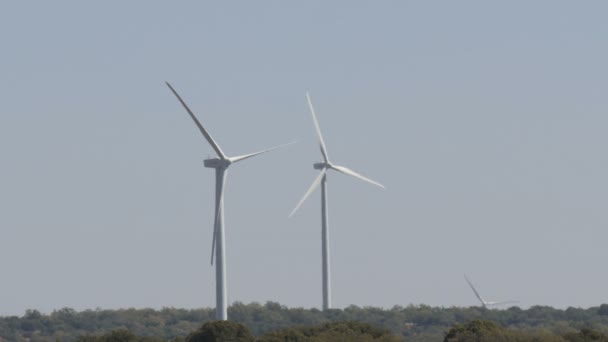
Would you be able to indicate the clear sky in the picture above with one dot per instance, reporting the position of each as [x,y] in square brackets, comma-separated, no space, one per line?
[485,120]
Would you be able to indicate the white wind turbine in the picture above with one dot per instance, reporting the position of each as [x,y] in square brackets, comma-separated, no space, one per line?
[322,179]
[220,165]
[485,303]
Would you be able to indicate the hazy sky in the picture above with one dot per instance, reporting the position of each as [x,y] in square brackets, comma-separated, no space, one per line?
[486,121]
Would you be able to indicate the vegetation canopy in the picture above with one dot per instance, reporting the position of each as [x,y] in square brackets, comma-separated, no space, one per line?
[274,322]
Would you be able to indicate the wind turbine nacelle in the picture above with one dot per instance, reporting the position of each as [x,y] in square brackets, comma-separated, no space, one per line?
[216,163]
[319,166]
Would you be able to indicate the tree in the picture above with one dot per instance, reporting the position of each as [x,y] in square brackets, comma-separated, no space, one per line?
[335,331]
[477,331]
[586,335]
[218,331]
[603,310]
[121,335]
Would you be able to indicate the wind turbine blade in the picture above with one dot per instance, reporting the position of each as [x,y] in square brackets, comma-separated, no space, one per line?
[212,142]
[504,302]
[213,240]
[475,291]
[350,172]
[245,156]
[218,212]
[314,119]
[314,185]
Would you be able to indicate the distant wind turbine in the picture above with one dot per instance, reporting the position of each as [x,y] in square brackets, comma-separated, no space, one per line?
[484,303]
[322,179]
[220,165]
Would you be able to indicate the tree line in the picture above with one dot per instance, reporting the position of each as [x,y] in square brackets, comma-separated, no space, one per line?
[410,323]
[474,331]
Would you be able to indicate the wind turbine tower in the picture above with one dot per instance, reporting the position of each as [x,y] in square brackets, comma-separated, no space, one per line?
[324,166]
[220,164]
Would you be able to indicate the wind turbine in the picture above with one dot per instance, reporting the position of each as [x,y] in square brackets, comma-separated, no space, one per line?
[484,303]
[322,179]
[218,245]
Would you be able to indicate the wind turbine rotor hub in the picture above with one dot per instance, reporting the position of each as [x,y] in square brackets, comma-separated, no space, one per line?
[321,166]
[216,163]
